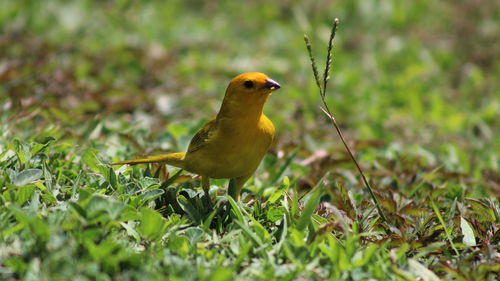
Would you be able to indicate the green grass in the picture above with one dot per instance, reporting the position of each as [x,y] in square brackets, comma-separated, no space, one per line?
[413,86]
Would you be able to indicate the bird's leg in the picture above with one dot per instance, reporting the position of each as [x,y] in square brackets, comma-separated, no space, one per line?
[205,183]
[235,186]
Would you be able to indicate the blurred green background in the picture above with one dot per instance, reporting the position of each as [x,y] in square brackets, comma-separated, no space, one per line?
[419,62]
[420,72]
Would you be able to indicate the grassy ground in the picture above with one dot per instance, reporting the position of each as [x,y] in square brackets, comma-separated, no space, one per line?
[414,86]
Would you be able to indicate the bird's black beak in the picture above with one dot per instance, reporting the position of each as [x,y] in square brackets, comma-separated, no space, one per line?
[272,85]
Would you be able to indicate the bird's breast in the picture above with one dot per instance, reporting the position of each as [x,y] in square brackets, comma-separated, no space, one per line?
[235,150]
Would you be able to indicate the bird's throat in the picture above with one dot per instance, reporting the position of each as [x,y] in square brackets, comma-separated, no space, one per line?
[249,113]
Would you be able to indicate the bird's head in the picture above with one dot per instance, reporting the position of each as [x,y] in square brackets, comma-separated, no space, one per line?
[248,92]
[252,83]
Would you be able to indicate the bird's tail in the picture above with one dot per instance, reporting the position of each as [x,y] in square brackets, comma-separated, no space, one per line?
[172,159]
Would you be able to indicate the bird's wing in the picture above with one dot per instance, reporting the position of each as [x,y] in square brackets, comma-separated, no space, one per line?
[203,136]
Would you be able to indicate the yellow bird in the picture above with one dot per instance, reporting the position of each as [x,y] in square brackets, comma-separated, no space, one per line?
[232,144]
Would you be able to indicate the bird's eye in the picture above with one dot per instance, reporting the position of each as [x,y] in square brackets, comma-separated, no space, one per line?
[248,84]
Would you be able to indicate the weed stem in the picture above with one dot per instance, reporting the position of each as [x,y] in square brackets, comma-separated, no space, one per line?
[326,109]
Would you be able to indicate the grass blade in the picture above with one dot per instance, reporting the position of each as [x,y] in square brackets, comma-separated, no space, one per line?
[448,236]
[308,210]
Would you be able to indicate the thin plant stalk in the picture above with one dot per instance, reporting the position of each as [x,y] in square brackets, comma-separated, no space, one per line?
[326,109]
